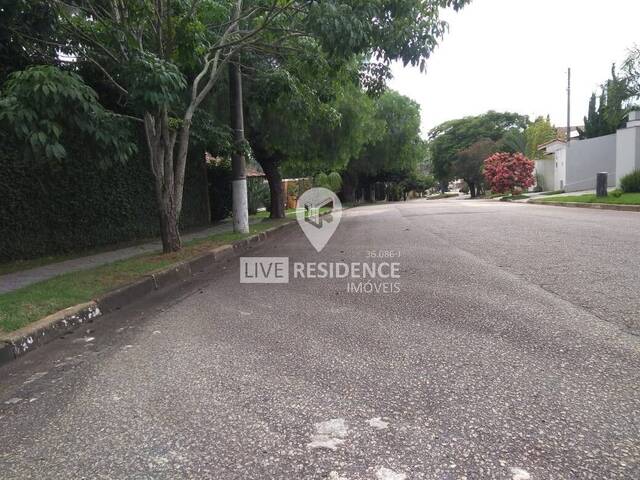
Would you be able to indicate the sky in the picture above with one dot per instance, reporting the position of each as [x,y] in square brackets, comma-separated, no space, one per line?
[513,55]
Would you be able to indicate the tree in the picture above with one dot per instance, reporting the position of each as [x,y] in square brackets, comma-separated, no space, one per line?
[27,30]
[396,147]
[332,115]
[612,108]
[163,59]
[507,172]
[631,69]
[539,132]
[449,138]
[469,163]
[64,111]
[336,34]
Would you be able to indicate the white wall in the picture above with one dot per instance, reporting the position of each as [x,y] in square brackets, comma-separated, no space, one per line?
[545,168]
[586,158]
[560,175]
[627,151]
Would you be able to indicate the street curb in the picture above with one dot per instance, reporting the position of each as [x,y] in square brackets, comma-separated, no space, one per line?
[28,338]
[597,206]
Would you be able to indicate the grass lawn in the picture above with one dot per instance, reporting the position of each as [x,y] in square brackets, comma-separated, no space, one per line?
[624,199]
[28,304]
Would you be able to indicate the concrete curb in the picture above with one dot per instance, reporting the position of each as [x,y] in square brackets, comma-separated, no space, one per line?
[28,338]
[46,329]
[597,206]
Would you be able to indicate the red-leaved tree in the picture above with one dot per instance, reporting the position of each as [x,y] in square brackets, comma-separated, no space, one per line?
[506,172]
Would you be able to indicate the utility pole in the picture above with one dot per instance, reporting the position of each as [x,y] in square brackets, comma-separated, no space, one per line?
[568,106]
[240,209]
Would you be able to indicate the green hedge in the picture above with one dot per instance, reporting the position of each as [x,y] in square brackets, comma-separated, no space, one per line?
[77,205]
[630,183]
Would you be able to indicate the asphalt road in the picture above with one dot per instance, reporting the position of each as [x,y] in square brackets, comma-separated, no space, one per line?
[510,351]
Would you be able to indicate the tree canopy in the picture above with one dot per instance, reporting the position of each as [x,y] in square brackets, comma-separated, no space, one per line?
[468,164]
[158,64]
[451,137]
[607,112]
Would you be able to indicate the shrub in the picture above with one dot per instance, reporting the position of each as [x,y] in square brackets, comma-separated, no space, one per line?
[321,180]
[506,172]
[50,207]
[616,193]
[334,182]
[630,183]
[257,194]
[220,190]
[539,183]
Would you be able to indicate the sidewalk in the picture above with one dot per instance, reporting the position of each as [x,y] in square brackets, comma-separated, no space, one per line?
[15,280]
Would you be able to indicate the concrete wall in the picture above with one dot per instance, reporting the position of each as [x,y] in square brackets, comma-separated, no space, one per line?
[560,175]
[545,168]
[585,158]
[627,151]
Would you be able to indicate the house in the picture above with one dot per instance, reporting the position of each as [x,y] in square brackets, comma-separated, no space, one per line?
[550,170]
[573,167]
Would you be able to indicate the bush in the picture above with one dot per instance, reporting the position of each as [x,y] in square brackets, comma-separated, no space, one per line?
[395,192]
[418,183]
[508,172]
[630,183]
[73,205]
[539,183]
[617,193]
[257,194]
[321,180]
[334,182]
[220,190]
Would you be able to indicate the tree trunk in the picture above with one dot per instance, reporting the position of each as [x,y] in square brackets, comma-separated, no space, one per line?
[472,189]
[271,170]
[168,176]
[169,233]
[368,192]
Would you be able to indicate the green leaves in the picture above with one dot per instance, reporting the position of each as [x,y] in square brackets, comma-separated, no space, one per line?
[393,147]
[450,138]
[154,82]
[44,106]
[405,30]
[613,106]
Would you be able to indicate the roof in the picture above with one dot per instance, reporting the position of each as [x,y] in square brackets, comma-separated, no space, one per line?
[546,144]
[251,171]
[562,131]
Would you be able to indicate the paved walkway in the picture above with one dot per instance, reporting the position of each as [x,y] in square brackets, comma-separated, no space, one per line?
[16,280]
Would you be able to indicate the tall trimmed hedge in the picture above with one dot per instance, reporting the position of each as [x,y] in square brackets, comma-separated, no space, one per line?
[76,204]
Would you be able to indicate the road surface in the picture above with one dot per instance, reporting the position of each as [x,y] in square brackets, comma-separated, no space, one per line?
[510,351]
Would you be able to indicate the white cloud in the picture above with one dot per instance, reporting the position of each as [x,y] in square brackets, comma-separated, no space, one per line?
[513,55]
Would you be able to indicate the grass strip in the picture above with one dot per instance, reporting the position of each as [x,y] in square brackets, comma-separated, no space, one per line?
[33,302]
[624,199]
